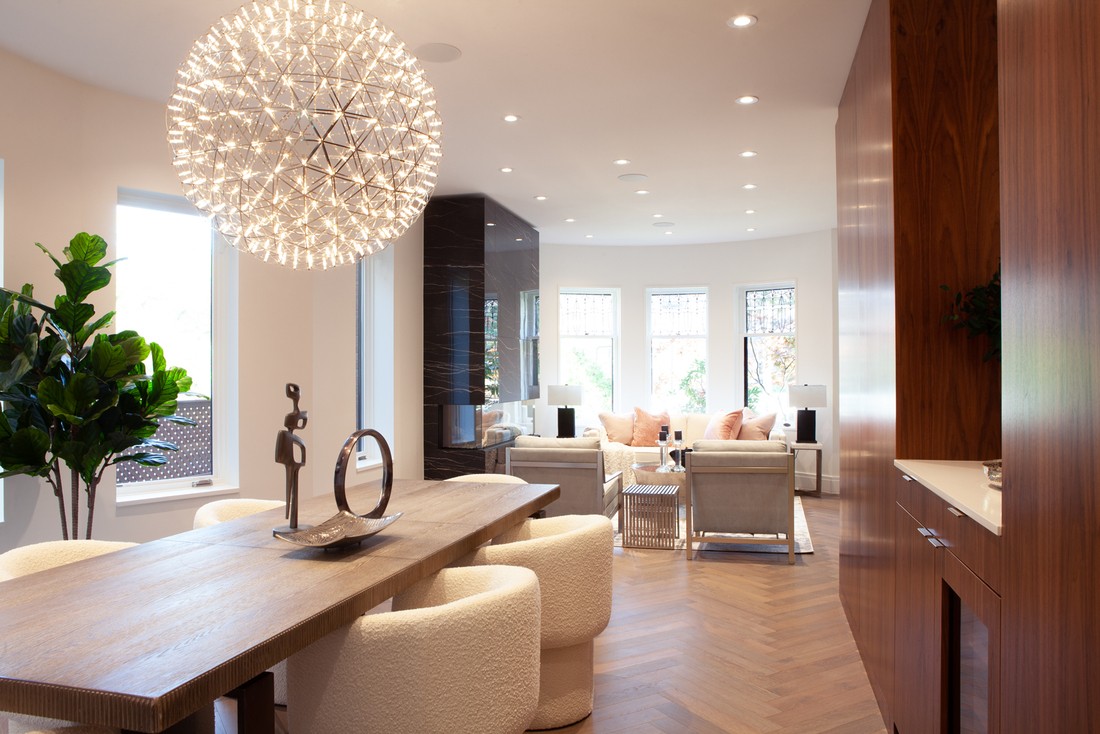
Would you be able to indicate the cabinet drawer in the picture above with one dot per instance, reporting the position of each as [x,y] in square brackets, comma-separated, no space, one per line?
[972,544]
[926,508]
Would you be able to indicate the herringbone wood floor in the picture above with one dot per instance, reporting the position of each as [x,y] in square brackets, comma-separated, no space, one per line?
[731,643]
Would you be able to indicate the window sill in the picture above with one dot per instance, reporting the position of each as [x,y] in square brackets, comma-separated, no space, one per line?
[153,496]
[367,464]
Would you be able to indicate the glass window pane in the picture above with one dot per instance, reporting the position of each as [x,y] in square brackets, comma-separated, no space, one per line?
[492,352]
[678,351]
[175,312]
[587,328]
[769,367]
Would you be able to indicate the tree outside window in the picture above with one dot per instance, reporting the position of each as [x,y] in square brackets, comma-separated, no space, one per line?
[587,328]
[770,356]
[678,350]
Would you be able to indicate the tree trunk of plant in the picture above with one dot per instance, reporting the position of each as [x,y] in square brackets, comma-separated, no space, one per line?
[74,493]
[55,482]
[91,506]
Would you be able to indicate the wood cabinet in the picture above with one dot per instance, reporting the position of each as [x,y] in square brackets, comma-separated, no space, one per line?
[947,619]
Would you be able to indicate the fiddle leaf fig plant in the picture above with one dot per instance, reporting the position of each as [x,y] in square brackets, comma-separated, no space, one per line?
[74,394]
[978,310]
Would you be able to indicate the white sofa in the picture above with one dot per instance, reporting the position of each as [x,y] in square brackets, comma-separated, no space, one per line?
[621,457]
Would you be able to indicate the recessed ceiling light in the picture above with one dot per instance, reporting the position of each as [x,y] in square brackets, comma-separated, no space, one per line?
[633,177]
[589,236]
[642,192]
[658,216]
[750,211]
[540,197]
[668,232]
[490,224]
[749,186]
[751,229]
[741,21]
[621,162]
[511,118]
[747,99]
[519,239]
[571,220]
[438,53]
[747,154]
[506,169]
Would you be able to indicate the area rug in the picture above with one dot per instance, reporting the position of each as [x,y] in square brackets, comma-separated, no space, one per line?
[802,541]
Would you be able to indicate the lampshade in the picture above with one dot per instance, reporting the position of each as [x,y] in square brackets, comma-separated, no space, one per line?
[308,131]
[563,395]
[806,396]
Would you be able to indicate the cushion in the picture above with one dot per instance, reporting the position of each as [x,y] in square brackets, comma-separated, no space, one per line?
[736,445]
[620,428]
[757,429]
[544,442]
[647,426]
[724,426]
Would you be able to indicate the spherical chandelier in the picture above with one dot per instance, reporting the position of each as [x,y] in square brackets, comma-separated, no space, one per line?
[308,131]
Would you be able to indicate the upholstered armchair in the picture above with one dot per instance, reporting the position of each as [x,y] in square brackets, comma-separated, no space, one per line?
[737,491]
[586,488]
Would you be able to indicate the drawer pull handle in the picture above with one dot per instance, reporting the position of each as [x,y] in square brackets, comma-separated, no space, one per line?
[935,542]
[906,477]
[926,532]
[956,513]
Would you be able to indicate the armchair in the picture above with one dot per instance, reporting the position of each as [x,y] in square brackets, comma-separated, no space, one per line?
[750,492]
[585,488]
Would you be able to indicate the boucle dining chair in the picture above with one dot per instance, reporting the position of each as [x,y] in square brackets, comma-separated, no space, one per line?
[492,478]
[218,511]
[459,654]
[571,554]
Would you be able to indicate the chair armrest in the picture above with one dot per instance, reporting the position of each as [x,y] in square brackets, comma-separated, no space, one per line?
[613,478]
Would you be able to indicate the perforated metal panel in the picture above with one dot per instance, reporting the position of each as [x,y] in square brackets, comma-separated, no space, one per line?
[196,455]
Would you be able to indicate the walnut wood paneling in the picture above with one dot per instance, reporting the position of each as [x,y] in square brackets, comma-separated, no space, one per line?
[867,384]
[1050,194]
[946,224]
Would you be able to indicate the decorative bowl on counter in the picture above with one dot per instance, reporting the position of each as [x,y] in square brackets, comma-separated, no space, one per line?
[993,472]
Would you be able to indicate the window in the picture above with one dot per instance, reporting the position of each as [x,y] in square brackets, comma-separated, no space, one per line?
[678,349]
[174,277]
[588,328]
[529,339]
[492,351]
[374,351]
[770,357]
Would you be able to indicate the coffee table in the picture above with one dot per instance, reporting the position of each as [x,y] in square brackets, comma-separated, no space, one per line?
[650,515]
[648,474]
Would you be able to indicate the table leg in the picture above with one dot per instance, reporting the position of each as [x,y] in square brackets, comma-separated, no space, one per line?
[197,723]
[819,472]
[256,705]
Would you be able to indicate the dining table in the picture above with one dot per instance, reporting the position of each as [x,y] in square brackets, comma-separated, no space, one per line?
[142,638]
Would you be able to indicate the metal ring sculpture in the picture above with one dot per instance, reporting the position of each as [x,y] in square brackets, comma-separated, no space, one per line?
[342,470]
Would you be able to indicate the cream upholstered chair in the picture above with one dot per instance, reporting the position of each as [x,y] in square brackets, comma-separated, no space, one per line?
[572,556]
[218,511]
[492,478]
[41,557]
[586,488]
[740,492]
[459,654]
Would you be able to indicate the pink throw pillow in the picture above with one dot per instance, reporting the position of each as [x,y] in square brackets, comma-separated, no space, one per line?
[647,426]
[620,428]
[757,429]
[724,426]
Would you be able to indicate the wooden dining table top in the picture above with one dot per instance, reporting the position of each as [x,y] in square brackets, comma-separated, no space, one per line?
[141,638]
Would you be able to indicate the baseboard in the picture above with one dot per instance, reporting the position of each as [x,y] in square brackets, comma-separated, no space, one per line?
[807,481]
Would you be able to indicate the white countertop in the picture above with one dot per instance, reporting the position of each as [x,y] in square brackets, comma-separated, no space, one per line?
[962,484]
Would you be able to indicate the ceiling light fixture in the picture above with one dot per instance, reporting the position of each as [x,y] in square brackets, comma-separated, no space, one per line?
[307,130]
[751,229]
[511,118]
[571,220]
[589,236]
[633,177]
[641,192]
[750,211]
[747,99]
[741,21]
[749,186]
[747,154]
[621,162]
[540,197]
[506,169]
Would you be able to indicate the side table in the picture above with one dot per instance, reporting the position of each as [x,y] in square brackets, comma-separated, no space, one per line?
[815,447]
[650,514]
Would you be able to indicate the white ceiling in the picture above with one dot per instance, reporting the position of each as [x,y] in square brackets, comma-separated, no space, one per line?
[653,81]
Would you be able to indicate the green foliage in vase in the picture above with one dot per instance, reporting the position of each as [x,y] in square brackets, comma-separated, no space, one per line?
[75,394]
[978,310]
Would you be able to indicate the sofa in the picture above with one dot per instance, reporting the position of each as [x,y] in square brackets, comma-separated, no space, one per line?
[574,464]
[630,439]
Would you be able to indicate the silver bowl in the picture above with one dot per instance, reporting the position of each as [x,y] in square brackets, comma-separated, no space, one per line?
[993,472]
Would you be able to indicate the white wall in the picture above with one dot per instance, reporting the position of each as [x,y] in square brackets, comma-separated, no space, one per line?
[67,148]
[806,260]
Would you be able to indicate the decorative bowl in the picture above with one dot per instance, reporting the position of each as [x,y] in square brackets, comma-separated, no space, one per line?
[343,528]
[993,472]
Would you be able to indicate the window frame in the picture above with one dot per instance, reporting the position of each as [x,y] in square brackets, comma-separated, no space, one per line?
[743,332]
[615,336]
[225,478]
[649,336]
[374,334]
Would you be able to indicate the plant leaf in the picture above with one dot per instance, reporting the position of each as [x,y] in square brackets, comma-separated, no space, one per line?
[87,331]
[88,248]
[159,363]
[42,247]
[81,279]
[111,360]
[143,458]
[25,452]
[78,402]
[70,316]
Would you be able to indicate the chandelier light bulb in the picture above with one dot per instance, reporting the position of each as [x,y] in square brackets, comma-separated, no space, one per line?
[308,131]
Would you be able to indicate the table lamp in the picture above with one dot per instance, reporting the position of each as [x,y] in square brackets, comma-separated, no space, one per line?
[565,395]
[806,396]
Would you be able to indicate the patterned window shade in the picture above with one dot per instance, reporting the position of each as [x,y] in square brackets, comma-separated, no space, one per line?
[678,314]
[586,314]
[769,311]
[195,457]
